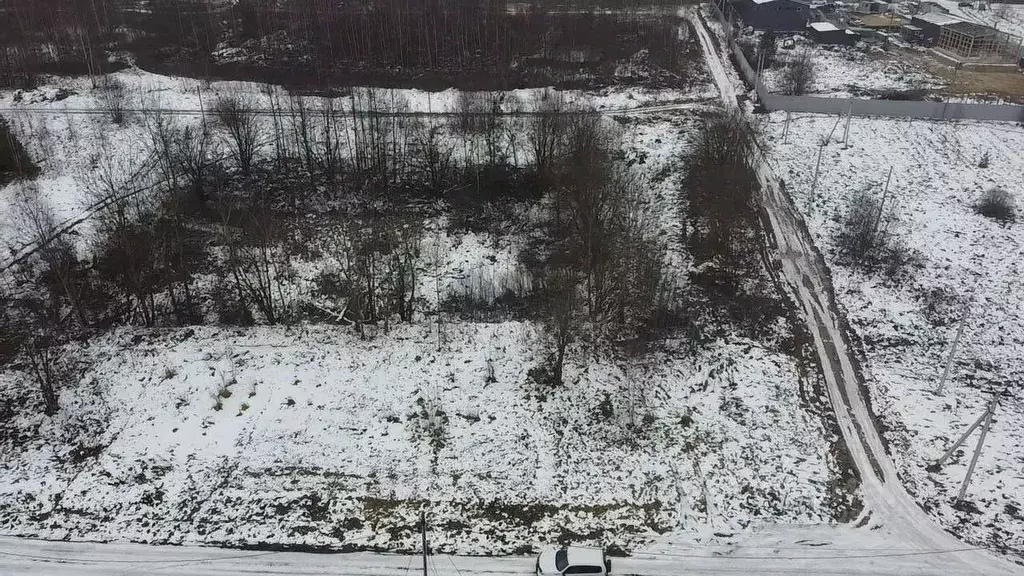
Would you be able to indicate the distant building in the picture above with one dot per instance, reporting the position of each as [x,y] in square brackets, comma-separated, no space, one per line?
[912,33]
[931,25]
[829,33]
[970,41]
[873,7]
[932,8]
[888,21]
[777,15]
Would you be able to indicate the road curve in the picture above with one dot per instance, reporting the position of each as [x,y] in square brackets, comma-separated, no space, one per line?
[807,279]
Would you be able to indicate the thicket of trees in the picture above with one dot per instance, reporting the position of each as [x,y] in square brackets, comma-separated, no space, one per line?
[724,230]
[318,43]
[14,161]
[209,226]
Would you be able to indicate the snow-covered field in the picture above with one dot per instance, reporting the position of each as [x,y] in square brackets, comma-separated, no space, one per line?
[906,327]
[843,71]
[311,436]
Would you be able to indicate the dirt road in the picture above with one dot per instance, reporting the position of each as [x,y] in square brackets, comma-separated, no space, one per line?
[808,282]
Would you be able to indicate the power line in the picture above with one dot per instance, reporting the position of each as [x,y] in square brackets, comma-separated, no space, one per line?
[668,107]
[102,561]
[829,557]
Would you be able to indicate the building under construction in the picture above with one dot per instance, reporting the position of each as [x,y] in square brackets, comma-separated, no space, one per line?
[970,42]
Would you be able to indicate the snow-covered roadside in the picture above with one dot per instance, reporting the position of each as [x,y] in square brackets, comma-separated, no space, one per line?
[905,328]
[311,436]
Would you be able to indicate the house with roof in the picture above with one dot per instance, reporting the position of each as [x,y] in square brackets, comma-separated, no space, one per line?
[776,15]
[931,25]
[829,33]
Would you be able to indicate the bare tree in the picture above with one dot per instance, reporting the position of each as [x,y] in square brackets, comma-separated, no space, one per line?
[62,272]
[720,185]
[193,158]
[379,136]
[124,241]
[237,116]
[562,317]
[432,155]
[44,362]
[259,265]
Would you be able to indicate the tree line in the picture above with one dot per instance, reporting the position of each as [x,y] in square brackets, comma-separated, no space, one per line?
[319,43]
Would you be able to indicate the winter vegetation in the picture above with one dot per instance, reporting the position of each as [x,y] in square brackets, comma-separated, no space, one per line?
[301,320]
[913,258]
[435,44]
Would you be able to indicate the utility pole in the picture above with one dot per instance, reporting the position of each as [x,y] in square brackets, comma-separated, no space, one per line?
[202,110]
[817,170]
[952,349]
[881,205]
[785,131]
[985,421]
[846,132]
[423,525]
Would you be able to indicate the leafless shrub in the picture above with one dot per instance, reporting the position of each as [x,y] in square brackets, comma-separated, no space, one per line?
[432,156]
[14,161]
[193,158]
[798,77]
[114,96]
[865,238]
[259,266]
[998,204]
[377,274]
[237,116]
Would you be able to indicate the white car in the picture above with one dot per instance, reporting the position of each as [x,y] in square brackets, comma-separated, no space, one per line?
[573,560]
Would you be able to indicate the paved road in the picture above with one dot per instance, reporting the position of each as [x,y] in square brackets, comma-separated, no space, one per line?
[804,273]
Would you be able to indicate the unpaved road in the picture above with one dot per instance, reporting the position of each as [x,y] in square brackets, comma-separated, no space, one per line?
[780,551]
[808,281]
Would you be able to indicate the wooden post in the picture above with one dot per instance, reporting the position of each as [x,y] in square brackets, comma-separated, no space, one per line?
[846,132]
[202,110]
[881,205]
[962,439]
[817,170]
[423,525]
[952,349]
[977,451]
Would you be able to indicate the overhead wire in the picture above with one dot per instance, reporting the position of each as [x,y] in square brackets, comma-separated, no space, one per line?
[111,561]
[819,557]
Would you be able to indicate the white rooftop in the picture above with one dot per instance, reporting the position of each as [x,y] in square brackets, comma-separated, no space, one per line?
[938,19]
[824,26]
